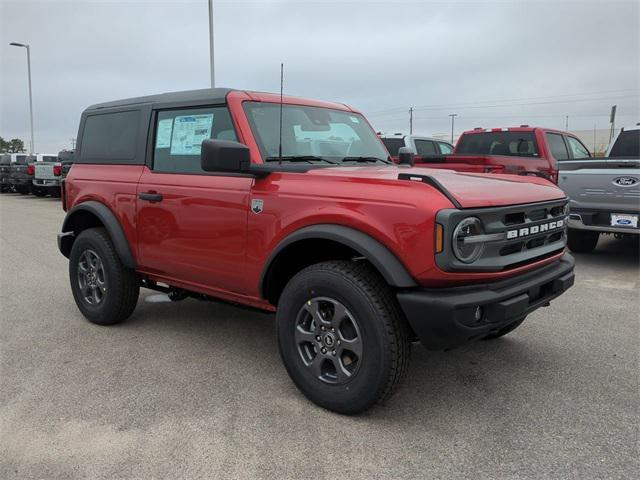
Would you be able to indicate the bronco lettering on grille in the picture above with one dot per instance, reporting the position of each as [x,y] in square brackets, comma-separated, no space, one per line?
[527,231]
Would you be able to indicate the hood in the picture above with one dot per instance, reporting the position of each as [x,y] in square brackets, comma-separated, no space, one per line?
[470,190]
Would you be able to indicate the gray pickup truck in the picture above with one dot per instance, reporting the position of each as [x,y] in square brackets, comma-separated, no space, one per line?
[604,193]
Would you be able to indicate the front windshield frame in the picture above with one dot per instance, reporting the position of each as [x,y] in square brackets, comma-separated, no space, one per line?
[371,145]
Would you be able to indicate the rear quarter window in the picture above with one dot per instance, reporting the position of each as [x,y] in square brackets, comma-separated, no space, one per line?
[111,138]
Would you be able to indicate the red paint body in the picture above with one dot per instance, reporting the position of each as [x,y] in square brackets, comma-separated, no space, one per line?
[203,236]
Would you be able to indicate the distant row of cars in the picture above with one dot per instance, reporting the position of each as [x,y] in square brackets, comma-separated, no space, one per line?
[40,174]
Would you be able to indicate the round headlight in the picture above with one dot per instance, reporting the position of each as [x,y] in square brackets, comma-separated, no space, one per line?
[467,252]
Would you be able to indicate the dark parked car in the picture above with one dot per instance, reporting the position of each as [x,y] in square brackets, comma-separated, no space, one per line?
[65,157]
[6,161]
[21,173]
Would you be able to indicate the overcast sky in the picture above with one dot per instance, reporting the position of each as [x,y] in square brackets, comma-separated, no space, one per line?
[494,63]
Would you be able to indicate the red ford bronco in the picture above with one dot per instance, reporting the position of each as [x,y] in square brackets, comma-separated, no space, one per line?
[293,206]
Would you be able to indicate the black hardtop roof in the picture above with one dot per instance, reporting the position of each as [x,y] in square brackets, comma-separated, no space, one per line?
[213,95]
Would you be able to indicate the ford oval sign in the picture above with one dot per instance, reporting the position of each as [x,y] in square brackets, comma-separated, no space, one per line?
[626,181]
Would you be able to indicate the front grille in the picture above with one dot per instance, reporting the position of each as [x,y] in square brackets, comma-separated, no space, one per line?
[513,236]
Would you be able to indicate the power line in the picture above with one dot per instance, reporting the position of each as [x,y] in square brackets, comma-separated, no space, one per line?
[507,105]
[476,103]
[558,115]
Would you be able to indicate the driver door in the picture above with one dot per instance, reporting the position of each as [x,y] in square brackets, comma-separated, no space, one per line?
[192,224]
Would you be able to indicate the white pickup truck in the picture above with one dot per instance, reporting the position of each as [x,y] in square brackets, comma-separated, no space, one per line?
[47,175]
[604,192]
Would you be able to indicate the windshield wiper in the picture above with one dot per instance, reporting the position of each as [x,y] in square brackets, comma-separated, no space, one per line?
[299,158]
[365,159]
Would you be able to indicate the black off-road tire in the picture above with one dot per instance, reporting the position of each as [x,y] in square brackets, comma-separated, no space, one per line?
[382,330]
[121,283]
[582,241]
[505,330]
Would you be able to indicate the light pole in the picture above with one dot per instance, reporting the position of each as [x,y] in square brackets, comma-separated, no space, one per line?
[14,44]
[411,121]
[213,76]
[453,116]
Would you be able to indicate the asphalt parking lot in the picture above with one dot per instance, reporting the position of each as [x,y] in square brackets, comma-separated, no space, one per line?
[195,390]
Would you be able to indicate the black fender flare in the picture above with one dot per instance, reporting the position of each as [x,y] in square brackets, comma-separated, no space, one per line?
[393,271]
[110,222]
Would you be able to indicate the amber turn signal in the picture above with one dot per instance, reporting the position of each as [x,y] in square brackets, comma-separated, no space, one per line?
[439,238]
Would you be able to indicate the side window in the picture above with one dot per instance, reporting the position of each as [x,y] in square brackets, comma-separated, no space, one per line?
[111,137]
[558,147]
[425,147]
[578,150]
[445,148]
[179,135]
[393,145]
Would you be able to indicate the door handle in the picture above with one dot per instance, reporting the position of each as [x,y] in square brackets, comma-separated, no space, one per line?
[150,196]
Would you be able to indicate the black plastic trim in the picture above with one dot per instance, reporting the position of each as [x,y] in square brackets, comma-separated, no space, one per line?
[445,318]
[432,182]
[109,220]
[394,273]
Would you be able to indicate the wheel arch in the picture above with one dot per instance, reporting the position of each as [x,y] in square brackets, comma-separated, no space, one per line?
[92,214]
[317,243]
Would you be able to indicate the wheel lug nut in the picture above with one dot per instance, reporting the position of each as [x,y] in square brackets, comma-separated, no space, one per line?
[333,329]
[333,353]
[318,338]
[323,350]
[339,342]
[323,328]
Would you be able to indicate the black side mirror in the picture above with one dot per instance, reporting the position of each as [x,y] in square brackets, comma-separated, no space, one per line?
[224,156]
[405,156]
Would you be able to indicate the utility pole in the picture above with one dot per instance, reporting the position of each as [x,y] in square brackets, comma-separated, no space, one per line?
[211,64]
[566,123]
[32,147]
[410,120]
[594,138]
[453,116]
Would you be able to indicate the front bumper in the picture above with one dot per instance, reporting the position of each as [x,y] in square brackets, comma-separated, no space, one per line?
[595,222]
[445,318]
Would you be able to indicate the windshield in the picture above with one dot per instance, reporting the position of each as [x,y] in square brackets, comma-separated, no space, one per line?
[5,160]
[313,134]
[519,144]
[627,145]
[21,159]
